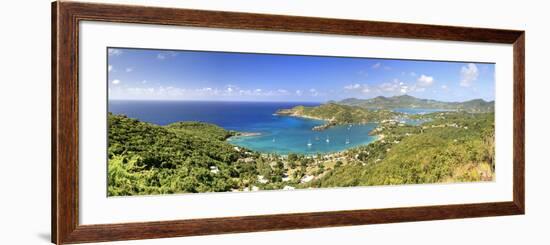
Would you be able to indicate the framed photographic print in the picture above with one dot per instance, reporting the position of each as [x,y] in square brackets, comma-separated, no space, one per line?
[174,122]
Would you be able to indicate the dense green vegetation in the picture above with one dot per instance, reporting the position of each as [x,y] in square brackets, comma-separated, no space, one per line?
[150,159]
[196,157]
[454,147]
[339,114]
[407,101]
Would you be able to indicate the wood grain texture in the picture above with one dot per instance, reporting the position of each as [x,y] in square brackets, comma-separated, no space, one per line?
[54,123]
[65,221]
[149,230]
[519,122]
[65,123]
[234,20]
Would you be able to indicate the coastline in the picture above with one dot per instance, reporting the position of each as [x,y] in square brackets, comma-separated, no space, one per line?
[299,116]
[243,134]
[247,134]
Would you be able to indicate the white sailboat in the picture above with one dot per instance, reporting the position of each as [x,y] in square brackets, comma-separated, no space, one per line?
[327,140]
[347,141]
[309,143]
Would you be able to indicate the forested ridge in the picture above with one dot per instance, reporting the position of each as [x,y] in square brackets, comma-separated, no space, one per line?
[339,114]
[407,101]
[150,159]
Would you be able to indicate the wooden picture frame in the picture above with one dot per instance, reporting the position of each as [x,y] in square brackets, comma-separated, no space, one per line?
[65,121]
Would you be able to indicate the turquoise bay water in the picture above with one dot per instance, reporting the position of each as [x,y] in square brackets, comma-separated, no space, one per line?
[419,110]
[286,135]
[279,134]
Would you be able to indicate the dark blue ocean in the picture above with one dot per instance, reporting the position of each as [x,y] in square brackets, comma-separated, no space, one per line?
[278,134]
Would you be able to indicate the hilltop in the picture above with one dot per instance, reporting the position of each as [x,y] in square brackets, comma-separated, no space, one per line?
[407,101]
[336,114]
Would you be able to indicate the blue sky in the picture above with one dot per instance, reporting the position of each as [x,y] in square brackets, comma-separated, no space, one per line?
[144,74]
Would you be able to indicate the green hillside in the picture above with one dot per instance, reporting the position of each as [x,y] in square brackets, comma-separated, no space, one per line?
[339,114]
[454,147]
[150,159]
[407,101]
[188,157]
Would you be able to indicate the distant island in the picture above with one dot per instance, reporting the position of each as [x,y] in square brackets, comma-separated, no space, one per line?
[338,114]
[453,145]
[357,111]
[407,101]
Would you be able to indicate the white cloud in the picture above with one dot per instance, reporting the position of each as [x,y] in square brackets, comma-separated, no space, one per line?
[110,68]
[250,92]
[425,81]
[390,86]
[114,52]
[397,87]
[171,91]
[140,91]
[229,89]
[299,92]
[234,91]
[353,86]
[166,54]
[387,87]
[444,87]
[282,91]
[412,74]
[362,88]
[154,93]
[143,91]
[468,74]
[314,92]
[129,69]
[376,66]
[208,91]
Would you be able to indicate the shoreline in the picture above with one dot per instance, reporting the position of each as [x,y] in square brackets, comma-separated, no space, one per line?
[327,123]
[377,137]
[247,134]
[243,134]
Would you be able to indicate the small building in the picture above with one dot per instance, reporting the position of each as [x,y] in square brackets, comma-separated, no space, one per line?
[214,169]
[306,178]
[262,179]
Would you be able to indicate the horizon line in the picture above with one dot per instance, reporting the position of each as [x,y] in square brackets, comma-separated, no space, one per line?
[291,101]
[178,100]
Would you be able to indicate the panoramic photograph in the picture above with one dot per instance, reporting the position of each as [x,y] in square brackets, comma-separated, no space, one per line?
[206,121]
